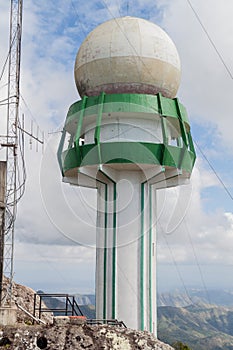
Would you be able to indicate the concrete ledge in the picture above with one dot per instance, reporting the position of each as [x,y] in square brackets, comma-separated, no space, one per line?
[8,316]
[78,320]
[73,320]
[61,320]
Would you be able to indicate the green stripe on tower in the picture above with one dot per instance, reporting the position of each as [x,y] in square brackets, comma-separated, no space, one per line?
[150,259]
[105,251]
[142,259]
[114,243]
[114,255]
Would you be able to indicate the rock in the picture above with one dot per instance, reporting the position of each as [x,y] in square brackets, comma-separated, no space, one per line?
[77,337]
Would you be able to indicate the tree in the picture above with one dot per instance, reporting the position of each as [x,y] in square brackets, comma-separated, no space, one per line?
[180,346]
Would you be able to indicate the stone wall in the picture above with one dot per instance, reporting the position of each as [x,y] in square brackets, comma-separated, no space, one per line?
[77,336]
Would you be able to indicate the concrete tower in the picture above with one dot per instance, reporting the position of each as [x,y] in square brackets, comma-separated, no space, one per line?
[127,137]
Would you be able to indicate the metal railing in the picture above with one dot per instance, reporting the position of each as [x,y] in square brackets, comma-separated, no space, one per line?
[113,322]
[70,308]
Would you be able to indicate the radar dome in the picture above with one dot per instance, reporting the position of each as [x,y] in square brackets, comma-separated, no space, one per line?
[127,55]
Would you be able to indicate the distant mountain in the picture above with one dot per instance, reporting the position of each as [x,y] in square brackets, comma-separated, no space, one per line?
[195,296]
[88,311]
[214,296]
[87,299]
[201,326]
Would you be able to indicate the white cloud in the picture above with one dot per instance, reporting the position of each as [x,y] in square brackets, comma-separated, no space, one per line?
[55,268]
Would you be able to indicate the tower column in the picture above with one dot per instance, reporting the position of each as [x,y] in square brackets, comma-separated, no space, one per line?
[126,251]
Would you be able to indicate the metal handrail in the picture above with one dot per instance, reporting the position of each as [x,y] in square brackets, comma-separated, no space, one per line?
[111,322]
[70,307]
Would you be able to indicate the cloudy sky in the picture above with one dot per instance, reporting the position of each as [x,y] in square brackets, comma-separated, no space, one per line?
[55,228]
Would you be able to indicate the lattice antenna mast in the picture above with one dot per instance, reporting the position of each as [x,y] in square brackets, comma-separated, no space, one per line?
[12,142]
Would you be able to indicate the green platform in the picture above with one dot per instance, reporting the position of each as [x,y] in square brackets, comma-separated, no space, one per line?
[181,155]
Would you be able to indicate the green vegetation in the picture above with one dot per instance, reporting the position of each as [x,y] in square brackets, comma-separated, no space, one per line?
[28,322]
[180,346]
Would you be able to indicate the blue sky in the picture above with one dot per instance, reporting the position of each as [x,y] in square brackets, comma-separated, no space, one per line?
[47,255]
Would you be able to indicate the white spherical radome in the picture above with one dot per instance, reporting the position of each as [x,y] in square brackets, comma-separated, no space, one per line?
[127,55]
